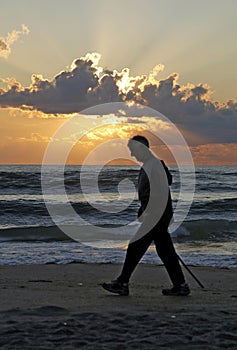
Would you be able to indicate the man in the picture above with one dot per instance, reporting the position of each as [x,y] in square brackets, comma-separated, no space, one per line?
[155,214]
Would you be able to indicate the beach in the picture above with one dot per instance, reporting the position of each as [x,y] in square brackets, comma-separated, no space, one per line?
[63,306]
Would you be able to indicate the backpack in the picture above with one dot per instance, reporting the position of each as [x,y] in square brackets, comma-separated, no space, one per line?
[168,174]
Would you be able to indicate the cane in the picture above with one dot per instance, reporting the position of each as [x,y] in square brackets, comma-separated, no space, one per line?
[191,273]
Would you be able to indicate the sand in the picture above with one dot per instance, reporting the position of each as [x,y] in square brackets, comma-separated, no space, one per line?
[64,307]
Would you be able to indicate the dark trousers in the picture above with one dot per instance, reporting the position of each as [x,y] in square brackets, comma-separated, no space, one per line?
[165,250]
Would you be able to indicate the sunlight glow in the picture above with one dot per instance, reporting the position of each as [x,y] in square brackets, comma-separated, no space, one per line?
[124,84]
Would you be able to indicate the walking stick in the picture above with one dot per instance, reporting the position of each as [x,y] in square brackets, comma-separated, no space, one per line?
[191,273]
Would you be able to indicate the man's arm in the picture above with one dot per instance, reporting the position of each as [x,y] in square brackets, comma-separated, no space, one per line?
[143,191]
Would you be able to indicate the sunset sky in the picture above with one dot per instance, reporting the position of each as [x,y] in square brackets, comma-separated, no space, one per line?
[58,58]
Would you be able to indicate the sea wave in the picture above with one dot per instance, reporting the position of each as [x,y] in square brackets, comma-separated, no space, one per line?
[195,230]
[216,205]
[33,234]
[207,230]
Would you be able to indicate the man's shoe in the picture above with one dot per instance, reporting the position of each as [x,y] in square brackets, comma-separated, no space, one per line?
[182,290]
[117,287]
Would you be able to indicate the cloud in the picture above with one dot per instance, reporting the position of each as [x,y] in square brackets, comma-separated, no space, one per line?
[215,154]
[86,84]
[12,37]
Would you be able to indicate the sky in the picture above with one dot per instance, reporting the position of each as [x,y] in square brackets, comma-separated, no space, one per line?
[59,57]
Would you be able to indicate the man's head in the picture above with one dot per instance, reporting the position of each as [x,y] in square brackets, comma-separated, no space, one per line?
[139,147]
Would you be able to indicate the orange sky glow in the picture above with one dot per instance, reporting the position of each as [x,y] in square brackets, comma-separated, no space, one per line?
[24,137]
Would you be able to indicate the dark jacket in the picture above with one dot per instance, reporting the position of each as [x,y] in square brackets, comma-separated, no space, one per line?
[144,191]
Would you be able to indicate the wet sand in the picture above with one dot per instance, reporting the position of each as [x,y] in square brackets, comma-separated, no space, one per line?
[64,307]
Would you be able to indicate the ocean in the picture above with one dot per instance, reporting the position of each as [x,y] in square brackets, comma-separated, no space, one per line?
[28,235]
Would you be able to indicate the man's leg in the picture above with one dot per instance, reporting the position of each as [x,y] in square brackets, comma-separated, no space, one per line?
[167,253]
[135,252]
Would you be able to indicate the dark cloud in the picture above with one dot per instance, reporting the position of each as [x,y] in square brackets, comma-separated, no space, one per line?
[86,84]
[70,91]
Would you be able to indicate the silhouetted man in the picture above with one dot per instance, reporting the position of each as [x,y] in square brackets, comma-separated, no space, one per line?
[155,214]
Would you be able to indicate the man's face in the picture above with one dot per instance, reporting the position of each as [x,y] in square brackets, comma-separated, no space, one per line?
[138,150]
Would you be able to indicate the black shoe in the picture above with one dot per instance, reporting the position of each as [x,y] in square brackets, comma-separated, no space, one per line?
[117,287]
[182,290]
